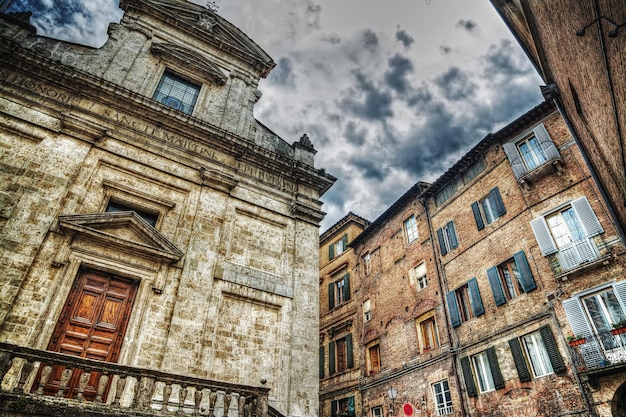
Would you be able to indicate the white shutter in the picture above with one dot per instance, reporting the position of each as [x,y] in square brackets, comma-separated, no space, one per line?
[545,141]
[510,149]
[620,291]
[543,236]
[580,326]
[587,216]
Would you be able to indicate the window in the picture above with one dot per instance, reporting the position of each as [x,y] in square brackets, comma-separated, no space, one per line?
[567,232]
[367,311]
[177,93]
[338,247]
[486,370]
[418,276]
[377,412]
[539,350]
[473,170]
[340,355]
[150,218]
[373,358]
[447,191]
[511,278]
[464,303]
[443,399]
[339,291]
[367,263]
[427,332]
[447,238]
[410,229]
[531,151]
[487,210]
[343,407]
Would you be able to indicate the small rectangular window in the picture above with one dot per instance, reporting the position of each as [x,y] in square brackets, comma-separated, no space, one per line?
[463,301]
[473,170]
[114,206]
[447,238]
[373,358]
[410,229]
[418,276]
[531,152]
[483,372]
[443,399]
[367,263]
[377,412]
[488,209]
[537,354]
[175,92]
[448,191]
[338,247]
[428,333]
[367,311]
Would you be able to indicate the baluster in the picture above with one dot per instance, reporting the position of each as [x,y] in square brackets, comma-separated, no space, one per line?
[262,406]
[130,392]
[43,380]
[158,396]
[218,409]
[242,405]
[121,382]
[65,379]
[24,373]
[144,393]
[173,402]
[205,402]
[233,407]
[102,386]
[189,405]
[82,384]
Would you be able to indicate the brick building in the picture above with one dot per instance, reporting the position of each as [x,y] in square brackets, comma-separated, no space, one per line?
[520,254]
[159,245]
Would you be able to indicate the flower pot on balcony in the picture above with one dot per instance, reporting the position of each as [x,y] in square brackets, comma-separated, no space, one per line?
[577,342]
[618,331]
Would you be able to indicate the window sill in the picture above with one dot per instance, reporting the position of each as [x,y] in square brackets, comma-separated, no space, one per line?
[585,267]
[549,167]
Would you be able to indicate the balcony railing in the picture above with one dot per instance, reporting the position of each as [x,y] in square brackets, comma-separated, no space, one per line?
[26,381]
[606,349]
[576,253]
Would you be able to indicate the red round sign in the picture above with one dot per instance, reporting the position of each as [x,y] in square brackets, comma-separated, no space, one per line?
[408,409]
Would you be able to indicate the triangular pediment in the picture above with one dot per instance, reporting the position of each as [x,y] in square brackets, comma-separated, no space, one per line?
[209,26]
[125,231]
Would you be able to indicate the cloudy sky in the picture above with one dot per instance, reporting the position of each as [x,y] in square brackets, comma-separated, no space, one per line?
[390,92]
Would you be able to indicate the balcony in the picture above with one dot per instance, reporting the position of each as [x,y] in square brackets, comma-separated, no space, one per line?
[579,256]
[601,354]
[35,382]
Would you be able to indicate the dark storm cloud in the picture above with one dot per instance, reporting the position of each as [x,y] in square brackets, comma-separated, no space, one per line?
[283,74]
[367,101]
[506,60]
[420,96]
[395,76]
[370,41]
[468,25]
[455,84]
[404,38]
[368,169]
[354,134]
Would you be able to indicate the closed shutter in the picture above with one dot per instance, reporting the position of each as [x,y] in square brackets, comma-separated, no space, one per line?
[620,291]
[498,381]
[552,349]
[331,251]
[470,385]
[321,360]
[344,240]
[346,287]
[587,216]
[543,236]
[526,279]
[331,295]
[520,361]
[494,194]
[477,216]
[545,141]
[351,409]
[580,326]
[452,235]
[349,354]
[475,299]
[496,286]
[331,358]
[453,310]
[442,242]
[510,149]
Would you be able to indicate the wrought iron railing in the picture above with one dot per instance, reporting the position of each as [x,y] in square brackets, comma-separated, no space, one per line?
[52,379]
[599,350]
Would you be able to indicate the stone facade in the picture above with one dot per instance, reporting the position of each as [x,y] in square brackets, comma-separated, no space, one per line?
[209,217]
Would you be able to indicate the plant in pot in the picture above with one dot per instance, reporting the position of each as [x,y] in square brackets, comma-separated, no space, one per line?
[575,340]
[619,327]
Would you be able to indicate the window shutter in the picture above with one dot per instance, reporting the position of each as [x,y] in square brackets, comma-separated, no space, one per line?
[452,235]
[620,291]
[470,386]
[331,295]
[543,236]
[442,242]
[455,317]
[510,149]
[346,287]
[496,286]
[331,251]
[552,349]
[351,410]
[349,354]
[334,405]
[498,381]
[587,216]
[475,299]
[518,358]
[545,141]
[497,199]
[477,217]
[526,279]
[321,360]
[344,239]
[331,358]
[580,326]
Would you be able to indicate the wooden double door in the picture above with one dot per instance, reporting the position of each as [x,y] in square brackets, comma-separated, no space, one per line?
[92,325]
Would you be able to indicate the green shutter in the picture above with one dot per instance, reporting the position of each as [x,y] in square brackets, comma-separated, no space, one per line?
[346,287]
[321,359]
[344,238]
[520,361]
[478,218]
[331,251]
[470,385]
[453,309]
[526,280]
[452,235]
[496,286]
[552,349]
[331,358]
[474,295]
[497,199]
[351,409]
[492,358]
[442,242]
[349,355]
[331,295]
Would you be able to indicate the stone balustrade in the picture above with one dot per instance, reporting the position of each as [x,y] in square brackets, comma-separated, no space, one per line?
[118,389]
